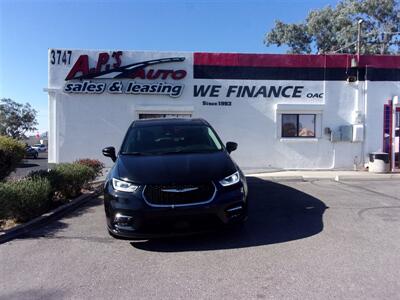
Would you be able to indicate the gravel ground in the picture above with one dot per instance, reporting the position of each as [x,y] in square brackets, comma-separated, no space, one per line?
[303,240]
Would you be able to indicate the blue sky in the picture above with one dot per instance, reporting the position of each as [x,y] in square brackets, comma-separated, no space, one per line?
[29,28]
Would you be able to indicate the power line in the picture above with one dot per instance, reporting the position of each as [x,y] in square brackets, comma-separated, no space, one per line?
[345,46]
[385,32]
[372,33]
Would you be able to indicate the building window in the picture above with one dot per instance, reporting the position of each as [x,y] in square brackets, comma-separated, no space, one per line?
[298,125]
[163,115]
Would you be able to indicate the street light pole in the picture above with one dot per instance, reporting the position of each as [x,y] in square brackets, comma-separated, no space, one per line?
[359,39]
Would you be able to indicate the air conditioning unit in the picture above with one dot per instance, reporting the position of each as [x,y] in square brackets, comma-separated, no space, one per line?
[335,136]
[346,133]
[358,133]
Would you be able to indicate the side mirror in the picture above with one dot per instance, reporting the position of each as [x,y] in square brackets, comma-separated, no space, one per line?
[231,146]
[110,152]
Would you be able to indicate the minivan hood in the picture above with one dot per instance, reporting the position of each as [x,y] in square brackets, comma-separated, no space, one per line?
[184,168]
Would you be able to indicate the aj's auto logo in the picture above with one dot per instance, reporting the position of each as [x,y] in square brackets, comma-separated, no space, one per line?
[139,70]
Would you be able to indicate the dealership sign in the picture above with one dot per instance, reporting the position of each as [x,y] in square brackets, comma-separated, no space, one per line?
[107,74]
[110,76]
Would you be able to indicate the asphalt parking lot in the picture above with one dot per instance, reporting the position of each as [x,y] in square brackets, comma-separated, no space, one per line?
[29,165]
[303,240]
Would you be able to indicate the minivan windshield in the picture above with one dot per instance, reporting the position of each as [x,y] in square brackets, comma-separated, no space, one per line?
[170,139]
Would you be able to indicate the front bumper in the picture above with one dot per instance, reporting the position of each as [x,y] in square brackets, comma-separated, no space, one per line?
[130,216]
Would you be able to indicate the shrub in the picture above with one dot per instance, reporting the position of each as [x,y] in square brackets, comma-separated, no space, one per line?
[70,178]
[95,164]
[67,179]
[52,176]
[24,199]
[39,173]
[11,153]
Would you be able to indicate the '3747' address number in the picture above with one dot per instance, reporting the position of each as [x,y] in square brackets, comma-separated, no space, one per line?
[60,57]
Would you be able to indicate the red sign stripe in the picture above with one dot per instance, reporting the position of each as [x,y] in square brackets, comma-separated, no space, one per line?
[295,60]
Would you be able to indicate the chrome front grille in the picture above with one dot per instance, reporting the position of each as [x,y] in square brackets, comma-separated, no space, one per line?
[179,194]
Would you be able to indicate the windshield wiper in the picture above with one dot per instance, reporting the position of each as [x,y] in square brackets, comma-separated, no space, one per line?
[135,153]
[185,151]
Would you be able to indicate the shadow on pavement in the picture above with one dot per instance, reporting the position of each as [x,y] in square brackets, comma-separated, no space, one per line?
[34,294]
[58,224]
[40,158]
[26,165]
[277,214]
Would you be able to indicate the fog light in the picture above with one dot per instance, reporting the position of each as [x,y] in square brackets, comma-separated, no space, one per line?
[123,222]
[234,212]
[122,219]
[233,209]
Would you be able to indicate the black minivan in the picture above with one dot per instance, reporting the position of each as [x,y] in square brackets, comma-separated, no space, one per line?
[171,177]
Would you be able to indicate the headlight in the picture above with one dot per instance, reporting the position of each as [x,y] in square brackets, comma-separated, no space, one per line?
[123,186]
[231,179]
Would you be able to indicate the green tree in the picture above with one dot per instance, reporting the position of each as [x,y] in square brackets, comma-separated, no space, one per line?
[16,118]
[334,29]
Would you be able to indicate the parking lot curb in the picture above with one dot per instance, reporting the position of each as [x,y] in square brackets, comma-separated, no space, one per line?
[364,177]
[285,178]
[46,218]
[375,177]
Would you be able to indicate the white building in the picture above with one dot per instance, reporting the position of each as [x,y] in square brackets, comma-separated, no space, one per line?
[284,111]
